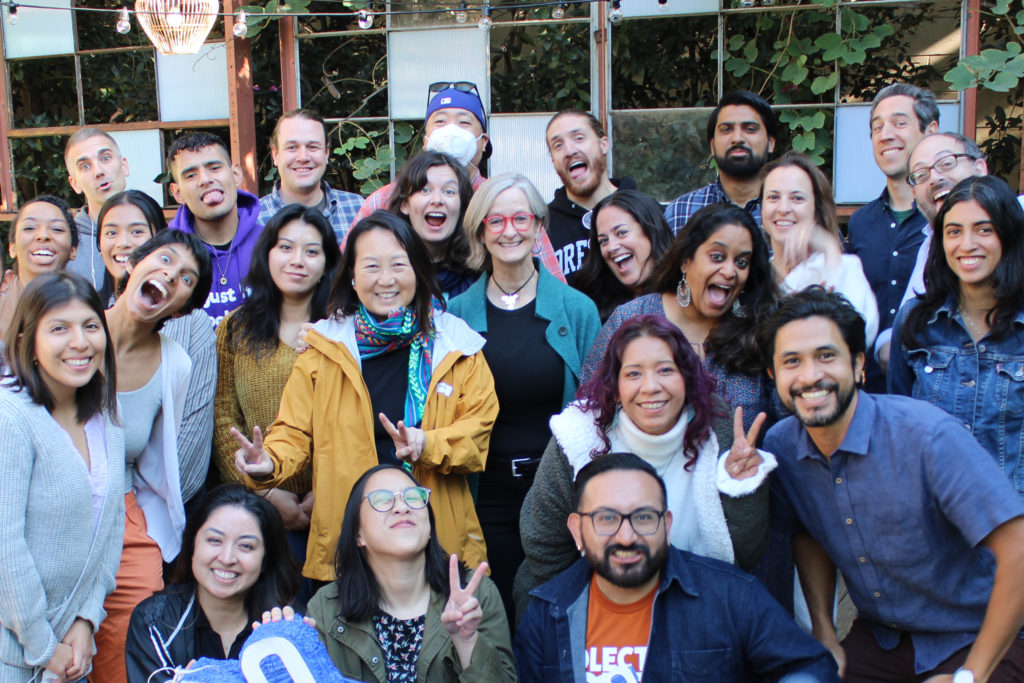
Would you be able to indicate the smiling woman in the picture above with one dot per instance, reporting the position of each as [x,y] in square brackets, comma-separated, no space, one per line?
[167,276]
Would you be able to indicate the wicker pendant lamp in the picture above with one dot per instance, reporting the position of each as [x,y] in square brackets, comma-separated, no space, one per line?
[176,27]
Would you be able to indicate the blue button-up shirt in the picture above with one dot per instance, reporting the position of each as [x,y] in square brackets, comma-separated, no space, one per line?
[340,208]
[980,384]
[901,508]
[679,210]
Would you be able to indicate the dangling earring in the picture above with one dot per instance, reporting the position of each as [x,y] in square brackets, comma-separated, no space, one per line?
[353,282]
[683,295]
[861,377]
[737,308]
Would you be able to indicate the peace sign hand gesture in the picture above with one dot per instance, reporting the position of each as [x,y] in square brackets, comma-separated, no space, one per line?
[743,459]
[409,441]
[251,459]
[462,614]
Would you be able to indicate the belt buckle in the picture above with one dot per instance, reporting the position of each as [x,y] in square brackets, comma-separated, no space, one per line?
[515,467]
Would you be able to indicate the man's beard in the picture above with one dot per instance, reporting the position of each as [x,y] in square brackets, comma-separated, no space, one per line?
[596,169]
[743,167]
[636,575]
[843,401]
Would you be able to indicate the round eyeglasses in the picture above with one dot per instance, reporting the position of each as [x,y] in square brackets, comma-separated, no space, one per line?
[942,165]
[644,521]
[520,221]
[415,497]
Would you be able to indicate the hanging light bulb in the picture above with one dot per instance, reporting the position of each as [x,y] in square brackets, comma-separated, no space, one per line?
[663,5]
[559,11]
[615,16]
[365,19]
[124,24]
[12,14]
[241,27]
[461,15]
[485,17]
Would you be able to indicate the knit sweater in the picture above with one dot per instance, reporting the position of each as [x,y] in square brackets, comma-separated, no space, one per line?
[56,563]
[249,394]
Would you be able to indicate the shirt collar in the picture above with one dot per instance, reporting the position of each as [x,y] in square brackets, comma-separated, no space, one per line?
[858,434]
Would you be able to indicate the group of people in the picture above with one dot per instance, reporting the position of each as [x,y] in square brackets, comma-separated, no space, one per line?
[409,417]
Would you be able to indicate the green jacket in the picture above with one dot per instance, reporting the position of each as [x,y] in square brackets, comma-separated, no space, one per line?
[572,318]
[354,649]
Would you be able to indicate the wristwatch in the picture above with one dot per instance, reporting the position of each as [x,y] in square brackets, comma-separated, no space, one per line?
[963,675]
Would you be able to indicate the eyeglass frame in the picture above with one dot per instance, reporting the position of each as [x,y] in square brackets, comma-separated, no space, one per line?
[461,86]
[505,221]
[404,494]
[624,516]
[927,170]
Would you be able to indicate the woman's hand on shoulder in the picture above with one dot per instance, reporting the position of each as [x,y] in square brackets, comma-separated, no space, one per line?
[409,441]
[300,341]
[462,613]
[250,458]
[743,459]
[285,613]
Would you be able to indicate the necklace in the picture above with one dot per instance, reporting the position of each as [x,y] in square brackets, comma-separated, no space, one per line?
[511,299]
[974,330]
[227,266]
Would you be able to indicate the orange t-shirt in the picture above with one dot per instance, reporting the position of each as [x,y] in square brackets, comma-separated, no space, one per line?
[617,637]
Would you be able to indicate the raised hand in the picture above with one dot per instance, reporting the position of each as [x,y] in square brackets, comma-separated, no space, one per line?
[743,459]
[409,441]
[462,613]
[250,458]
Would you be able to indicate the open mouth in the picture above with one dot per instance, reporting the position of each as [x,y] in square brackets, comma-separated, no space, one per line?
[224,575]
[939,195]
[43,254]
[718,295]
[435,219]
[889,151]
[578,168]
[213,197]
[121,259]
[623,261]
[153,293]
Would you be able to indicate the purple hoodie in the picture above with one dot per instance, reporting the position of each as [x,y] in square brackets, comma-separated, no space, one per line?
[230,265]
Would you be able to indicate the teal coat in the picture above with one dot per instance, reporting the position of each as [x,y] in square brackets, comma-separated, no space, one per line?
[573,322]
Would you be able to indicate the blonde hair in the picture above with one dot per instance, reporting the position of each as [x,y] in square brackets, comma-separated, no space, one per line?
[480,206]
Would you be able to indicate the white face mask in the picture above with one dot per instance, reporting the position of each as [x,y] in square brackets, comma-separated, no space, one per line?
[455,141]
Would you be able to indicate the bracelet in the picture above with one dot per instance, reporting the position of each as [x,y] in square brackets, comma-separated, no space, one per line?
[269,494]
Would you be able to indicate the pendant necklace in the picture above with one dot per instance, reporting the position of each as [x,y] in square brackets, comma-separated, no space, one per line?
[510,299]
[227,266]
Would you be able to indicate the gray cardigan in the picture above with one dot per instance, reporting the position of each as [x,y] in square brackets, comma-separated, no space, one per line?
[54,567]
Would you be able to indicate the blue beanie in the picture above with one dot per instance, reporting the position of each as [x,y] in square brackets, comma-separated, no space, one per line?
[452,98]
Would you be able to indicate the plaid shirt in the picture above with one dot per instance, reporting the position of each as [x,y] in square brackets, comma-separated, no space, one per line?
[542,249]
[678,212]
[340,209]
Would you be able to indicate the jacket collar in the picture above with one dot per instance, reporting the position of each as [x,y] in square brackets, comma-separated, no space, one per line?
[546,306]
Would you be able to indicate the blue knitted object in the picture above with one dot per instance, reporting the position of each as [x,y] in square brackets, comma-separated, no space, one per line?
[287,641]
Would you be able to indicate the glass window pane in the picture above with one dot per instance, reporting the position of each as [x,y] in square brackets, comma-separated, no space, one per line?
[654,8]
[668,62]
[96,29]
[40,31]
[35,172]
[181,77]
[540,67]
[342,76]
[419,58]
[322,24]
[520,147]
[118,87]
[753,62]
[142,150]
[924,45]
[665,152]
[43,92]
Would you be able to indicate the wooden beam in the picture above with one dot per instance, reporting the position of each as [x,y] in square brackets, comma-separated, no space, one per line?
[971,31]
[115,127]
[289,80]
[7,194]
[243,113]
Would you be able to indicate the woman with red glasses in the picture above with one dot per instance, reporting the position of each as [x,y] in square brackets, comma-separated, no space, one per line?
[538,330]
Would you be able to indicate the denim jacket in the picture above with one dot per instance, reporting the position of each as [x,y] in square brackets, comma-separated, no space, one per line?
[981,385]
[711,622]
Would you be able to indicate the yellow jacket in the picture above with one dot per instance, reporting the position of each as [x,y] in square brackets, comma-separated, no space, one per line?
[326,418]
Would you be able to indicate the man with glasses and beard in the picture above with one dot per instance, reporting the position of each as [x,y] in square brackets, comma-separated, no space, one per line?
[635,607]
[741,132]
[898,496]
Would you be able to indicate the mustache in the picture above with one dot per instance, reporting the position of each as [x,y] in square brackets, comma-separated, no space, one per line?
[635,547]
[740,145]
[820,385]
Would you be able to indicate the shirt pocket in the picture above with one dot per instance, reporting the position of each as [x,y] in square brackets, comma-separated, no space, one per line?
[702,665]
[931,368]
[1009,395]
[906,544]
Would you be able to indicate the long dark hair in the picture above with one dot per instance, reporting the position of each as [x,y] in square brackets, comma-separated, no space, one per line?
[279,578]
[594,278]
[941,283]
[413,178]
[600,393]
[41,296]
[358,591]
[733,342]
[254,326]
[344,299]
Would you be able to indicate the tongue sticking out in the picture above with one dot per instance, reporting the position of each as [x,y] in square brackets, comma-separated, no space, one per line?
[717,296]
[213,197]
[578,170]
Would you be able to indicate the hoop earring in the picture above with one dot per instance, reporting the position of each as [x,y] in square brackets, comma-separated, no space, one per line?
[683,295]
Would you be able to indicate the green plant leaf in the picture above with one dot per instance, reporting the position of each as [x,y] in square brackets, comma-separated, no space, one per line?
[1004,81]
[737,67]
[960,77]
[794,73]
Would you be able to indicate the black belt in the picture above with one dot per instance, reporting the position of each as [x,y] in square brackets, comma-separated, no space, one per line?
[518,468]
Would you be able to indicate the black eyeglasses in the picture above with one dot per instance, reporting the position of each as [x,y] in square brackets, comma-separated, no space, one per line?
[644,521]
[943,165]
[441,86]
[382,500]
